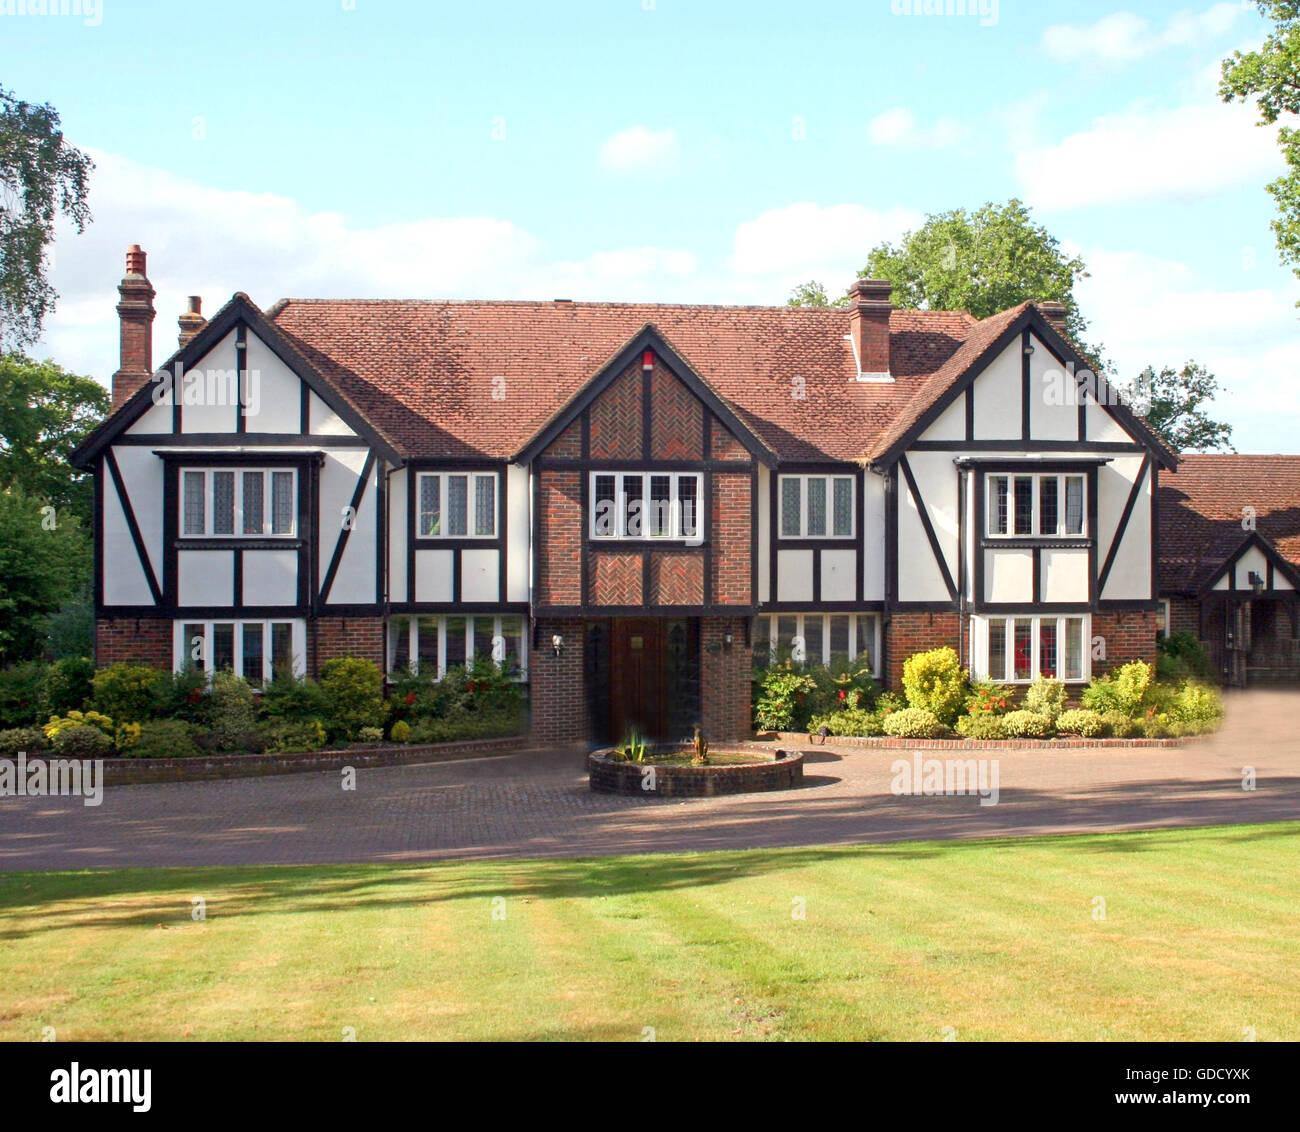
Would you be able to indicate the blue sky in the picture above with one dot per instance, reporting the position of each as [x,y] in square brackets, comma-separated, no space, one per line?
[657,149]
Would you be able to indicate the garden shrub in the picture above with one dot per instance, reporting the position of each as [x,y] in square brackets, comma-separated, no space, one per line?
[1181,656]
[781,703]
[1124,690]
[840,685]
[293,698]
[371,735]
[934,681]
[1080,721]
[286,736]
[354,687]
[400,732]
[850,721]
[1198,705]
[467,725]
[231,713]
[1046,696]
[129,692]
[1027,725]
[1119,725]
[183,695]
[913,723]
[69,684]
[21,739]
[126,736]
[988,697]
[1155,727]
[164,739]
[22,690]
[60,723]
[890,702]
[982,725]
[82,741]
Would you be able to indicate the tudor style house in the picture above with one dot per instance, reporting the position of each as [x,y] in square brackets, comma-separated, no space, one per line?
[624,503]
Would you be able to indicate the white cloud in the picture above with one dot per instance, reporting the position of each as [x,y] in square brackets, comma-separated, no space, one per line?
[1125,37]
[640,150]
[1146,153]
[809,241]
[898,127]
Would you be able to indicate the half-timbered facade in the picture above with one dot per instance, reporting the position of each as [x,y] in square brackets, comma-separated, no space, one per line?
[623,503]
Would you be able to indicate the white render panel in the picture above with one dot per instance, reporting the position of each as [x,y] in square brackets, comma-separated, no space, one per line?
[324,420]
[764,533]
[1103,427]
[274,392]
[397,534]
[518,555]
[205,577]
[124,578]
[794,575]
[209,402]
[1253,560]
[433,575]
[1065,575]
[270,577]
[1053,396]
[155,419]
[997,397]
[1009,576]
[354,582]
[1130,573]
[873,537]
[938,482]
[839,575]
[142,473]
[480,570]
[919,577]
[951,424]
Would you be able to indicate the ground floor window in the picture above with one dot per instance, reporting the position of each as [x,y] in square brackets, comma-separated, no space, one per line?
[1162,619]
[440,642]
[817,638]
[1018,650]
[254,650]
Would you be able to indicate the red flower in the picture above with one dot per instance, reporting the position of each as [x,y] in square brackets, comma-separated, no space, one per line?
[843,694]
[194,695]
[410,697]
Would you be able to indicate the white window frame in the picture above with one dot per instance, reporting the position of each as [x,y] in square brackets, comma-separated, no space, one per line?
[471,502]
[268,497]
[981,629]
[990,504]
[181,645]
[1165,632]
[830,478]
[393,662]
[864,629]
[620,506]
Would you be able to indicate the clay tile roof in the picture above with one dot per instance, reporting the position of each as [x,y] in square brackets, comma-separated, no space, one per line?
[425,373]
[1201,512]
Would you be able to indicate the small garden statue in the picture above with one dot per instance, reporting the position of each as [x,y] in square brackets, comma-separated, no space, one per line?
[701,755]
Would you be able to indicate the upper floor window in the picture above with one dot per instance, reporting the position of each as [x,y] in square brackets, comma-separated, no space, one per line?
[816,506]
[1030,504]
[238,502]
[646,505]
[457,505]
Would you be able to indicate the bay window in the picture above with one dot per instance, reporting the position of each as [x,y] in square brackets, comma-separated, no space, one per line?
[456,505]
[255,650]
[817,638]
[1018,650]
[436,643]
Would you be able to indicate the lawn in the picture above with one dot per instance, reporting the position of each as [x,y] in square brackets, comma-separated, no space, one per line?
[995,939]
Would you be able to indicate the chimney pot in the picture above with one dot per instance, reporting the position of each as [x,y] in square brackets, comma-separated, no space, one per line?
[870,306]
[135,260]
[135,318]
[192,320]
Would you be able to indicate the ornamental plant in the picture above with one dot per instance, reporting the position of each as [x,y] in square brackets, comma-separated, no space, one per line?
[355,689]
[781,703]
[914,723]
[1027,725]
[1046,696]
[1124,690]
[1080,721]
[935,681]
[94,719]
[850,721]
[987,697]
[982,725]
[129,692]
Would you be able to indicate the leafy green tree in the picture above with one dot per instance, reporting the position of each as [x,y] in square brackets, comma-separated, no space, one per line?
[44,562]
[813,294]
[1171,401]
[981,262]
[45,412]
[41,178]
[1271,76]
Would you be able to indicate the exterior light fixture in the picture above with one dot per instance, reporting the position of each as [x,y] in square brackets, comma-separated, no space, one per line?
[557,644]
[1256,582]
[728,639]
[1029,348]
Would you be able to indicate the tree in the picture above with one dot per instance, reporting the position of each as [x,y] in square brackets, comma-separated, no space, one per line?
[1171,401]
[45,412]
[41,177]
[813,294]
[981,262]
[1272,76]
[44,562]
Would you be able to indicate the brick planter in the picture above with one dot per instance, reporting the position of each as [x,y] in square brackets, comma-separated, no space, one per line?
[124,772]
[609,777]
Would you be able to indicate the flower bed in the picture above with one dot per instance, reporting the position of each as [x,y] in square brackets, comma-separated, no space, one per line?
[889,743]
[768,769]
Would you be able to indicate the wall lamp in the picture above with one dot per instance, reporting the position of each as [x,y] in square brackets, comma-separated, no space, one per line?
[1256,582]
[557,644]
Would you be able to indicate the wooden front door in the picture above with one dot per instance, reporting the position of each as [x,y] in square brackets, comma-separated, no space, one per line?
[636,678]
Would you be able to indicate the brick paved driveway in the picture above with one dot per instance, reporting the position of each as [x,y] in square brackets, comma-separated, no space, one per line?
[538,804]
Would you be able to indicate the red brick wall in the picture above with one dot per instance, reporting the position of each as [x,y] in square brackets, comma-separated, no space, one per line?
[616,419]
[1127,636]
[1184,616]
[332,637]
[725,675]
[724,445]
[732,546]
[135,640]
[560,532]
[569,443]
[557,700]
[615,578]
[908,633]
[676,419]
[676,579]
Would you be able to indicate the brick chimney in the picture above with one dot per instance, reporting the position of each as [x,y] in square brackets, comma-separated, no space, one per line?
[192,321]
[135,311]
[1054,312]
[870,304]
